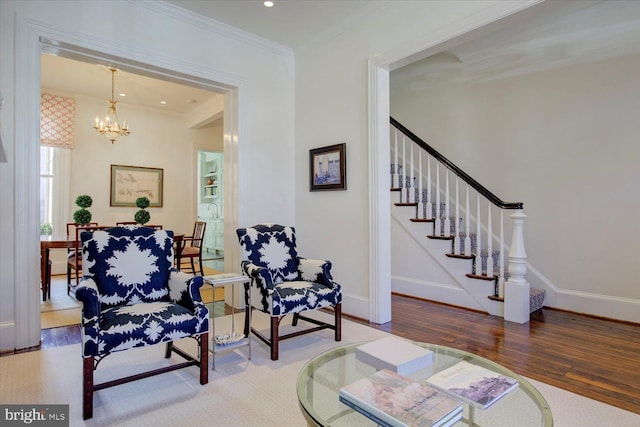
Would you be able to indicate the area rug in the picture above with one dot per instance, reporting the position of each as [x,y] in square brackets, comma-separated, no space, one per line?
[240,392]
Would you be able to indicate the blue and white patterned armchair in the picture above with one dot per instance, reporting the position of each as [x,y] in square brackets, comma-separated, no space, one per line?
[133,297]
[284,283]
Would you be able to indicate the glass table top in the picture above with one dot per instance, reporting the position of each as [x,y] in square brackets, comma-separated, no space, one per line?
[320,380]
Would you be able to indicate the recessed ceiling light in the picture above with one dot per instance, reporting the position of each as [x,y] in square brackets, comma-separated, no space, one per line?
[122,94]
[268,3]
[163,102]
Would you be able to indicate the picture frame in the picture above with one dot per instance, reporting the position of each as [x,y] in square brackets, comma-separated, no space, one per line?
[328,168]
[128,183]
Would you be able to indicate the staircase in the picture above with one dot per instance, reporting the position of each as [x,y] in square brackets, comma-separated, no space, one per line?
[453,218]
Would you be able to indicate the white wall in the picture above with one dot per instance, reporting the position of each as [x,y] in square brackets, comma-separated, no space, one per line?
[160,36]
[331,108]
[564,142]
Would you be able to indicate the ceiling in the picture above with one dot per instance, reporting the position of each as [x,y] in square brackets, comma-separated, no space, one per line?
[567,34]
[71,77]
[564,33]
[294,24]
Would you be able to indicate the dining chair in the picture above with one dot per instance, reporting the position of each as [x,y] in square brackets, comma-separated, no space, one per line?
[74,262]
[46,285]
[192,246]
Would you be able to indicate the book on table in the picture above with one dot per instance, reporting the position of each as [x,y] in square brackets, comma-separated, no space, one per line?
[394,354]
[474,384]
[393,400]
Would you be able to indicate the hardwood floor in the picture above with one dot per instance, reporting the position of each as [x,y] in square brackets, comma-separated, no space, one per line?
[592,357]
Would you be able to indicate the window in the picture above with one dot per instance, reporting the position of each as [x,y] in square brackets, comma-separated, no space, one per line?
[57,121]
[46,189]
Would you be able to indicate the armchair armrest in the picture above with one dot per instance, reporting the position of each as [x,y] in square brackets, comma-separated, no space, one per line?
[184,289]
[260,276]
[315,270]
[87,294]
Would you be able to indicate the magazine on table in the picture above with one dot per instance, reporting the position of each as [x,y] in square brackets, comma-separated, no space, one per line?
[474,384]
[393,400]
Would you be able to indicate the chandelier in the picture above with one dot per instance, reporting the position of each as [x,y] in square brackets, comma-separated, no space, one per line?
[110,126]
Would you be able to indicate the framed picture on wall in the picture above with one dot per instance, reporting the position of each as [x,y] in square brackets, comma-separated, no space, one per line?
[130,182]
[328,168]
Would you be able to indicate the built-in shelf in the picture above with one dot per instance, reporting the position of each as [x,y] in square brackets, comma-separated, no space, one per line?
[211,200]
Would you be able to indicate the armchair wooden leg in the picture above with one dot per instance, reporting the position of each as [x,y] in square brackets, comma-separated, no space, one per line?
[204,358]
[87,388]
[296,316]
[275,321]
[337,311]
[200,262]
[167,351]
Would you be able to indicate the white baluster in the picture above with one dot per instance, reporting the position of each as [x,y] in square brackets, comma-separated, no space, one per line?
[447,220]
[478,240]
[501,278]
[489,242]
[403,183]
[467,239]
[456,239]
[429,204]
[412,183]
[396,178]
[437,231]
[420,197]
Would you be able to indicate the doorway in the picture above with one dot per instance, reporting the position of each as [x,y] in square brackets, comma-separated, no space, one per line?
[27,325]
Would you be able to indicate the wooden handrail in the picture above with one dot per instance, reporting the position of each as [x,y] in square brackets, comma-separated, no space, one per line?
[455,169]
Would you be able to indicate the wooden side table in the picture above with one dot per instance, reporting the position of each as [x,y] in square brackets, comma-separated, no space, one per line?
[231,340]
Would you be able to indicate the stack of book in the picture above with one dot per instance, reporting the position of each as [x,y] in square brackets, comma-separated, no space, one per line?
[393,400]
[394,354]
[473,384]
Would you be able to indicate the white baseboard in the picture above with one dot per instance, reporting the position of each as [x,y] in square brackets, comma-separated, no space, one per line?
[7,336]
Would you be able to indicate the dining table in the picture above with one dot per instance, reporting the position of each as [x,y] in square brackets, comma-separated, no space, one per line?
[69,242]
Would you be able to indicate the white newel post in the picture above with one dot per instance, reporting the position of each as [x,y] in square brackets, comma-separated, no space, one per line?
[516,289]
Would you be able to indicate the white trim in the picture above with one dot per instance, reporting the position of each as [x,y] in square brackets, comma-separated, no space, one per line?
[209,24]
[378,97]
[27,156]
[30,37]
[379,197]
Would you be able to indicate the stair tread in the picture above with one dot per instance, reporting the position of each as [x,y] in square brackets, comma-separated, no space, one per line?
[460,256]
[422,220]
[406,204]
[481,276]
[441,237]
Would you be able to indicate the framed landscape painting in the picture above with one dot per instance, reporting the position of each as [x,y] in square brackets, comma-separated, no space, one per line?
[328,168]
[130,182]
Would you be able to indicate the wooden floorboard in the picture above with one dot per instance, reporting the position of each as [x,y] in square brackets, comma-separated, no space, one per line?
[592,357]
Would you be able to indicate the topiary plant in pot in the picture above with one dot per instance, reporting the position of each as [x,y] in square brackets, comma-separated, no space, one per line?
[142,216]
[83,216]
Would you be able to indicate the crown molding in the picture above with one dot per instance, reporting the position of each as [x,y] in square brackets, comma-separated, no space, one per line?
[209,24]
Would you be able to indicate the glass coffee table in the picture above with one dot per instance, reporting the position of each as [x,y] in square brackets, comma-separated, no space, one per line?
[322,377]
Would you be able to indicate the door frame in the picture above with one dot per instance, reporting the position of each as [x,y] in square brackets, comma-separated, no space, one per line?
[34,38]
